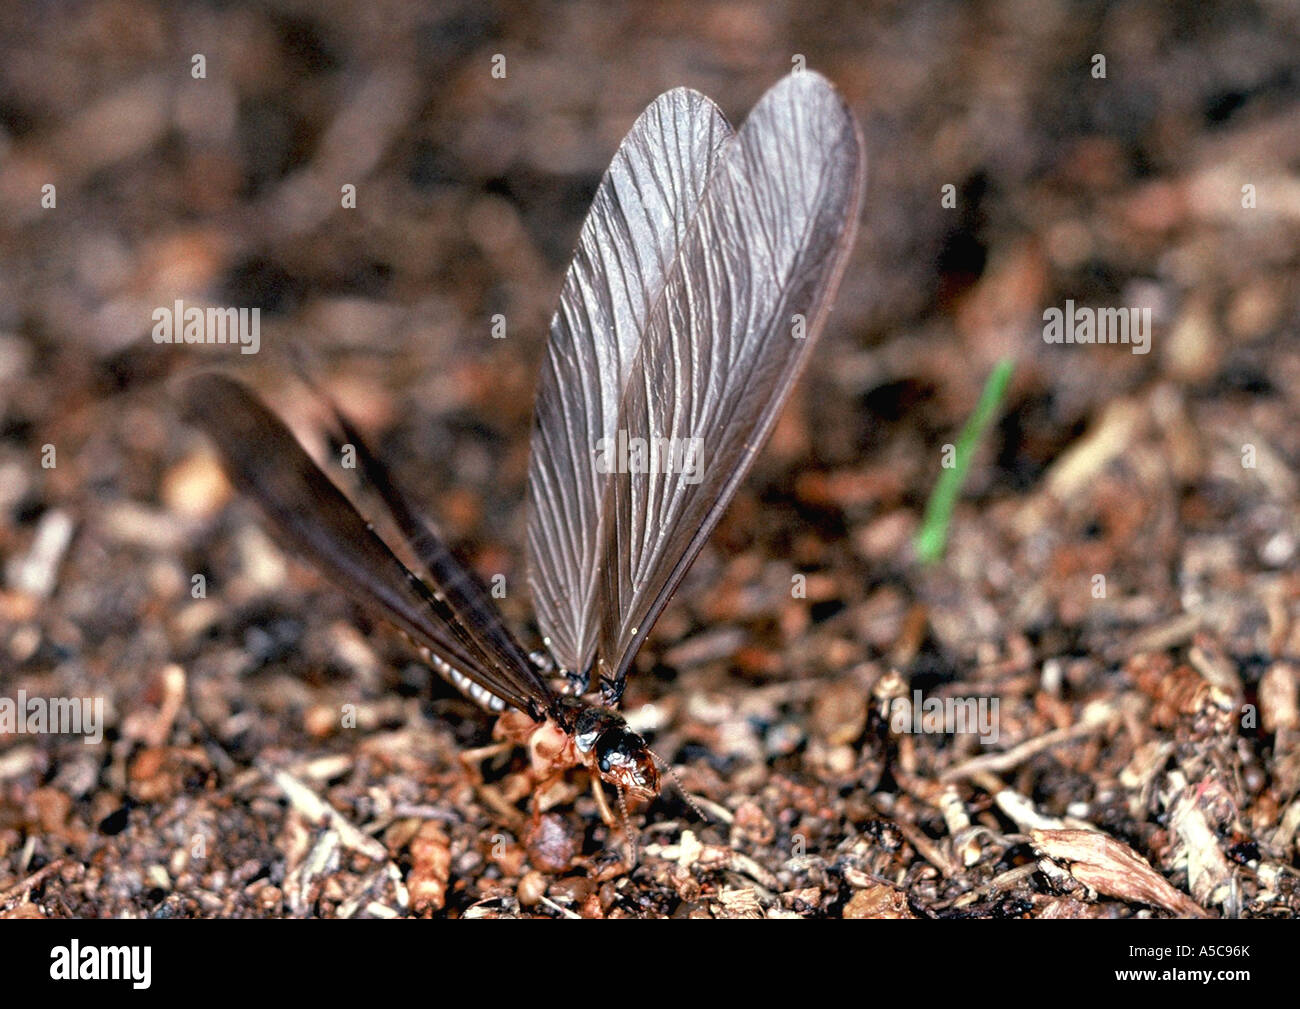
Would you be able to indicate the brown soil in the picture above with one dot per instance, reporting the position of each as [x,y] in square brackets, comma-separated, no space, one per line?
[1147,759]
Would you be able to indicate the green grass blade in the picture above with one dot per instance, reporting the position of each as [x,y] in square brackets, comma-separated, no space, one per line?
[933,537]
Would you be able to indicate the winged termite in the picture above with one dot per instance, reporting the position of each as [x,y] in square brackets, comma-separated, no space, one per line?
[703,275]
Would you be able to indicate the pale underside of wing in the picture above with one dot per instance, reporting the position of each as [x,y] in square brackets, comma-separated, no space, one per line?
[743,302]
[628,242]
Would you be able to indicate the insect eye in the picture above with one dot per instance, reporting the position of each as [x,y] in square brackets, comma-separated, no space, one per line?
[614,748]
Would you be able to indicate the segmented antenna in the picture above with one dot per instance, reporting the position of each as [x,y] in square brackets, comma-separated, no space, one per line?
[629,832]
[686,796]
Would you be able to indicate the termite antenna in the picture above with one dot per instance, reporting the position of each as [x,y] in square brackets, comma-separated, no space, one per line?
[668,770]
[629,832]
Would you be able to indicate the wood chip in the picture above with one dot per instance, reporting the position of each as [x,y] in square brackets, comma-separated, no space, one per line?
[1113,868]
[878,901]
[430,868]
[320,812]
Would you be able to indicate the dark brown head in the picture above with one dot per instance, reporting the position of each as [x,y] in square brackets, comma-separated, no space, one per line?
[618,754]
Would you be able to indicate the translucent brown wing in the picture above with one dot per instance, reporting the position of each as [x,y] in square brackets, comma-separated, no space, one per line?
[637,220]
[314,518]
[459,597]
[744,299]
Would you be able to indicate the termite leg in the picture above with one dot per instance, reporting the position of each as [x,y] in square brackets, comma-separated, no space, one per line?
[602,804]
[493,798]
[538,791]
[472,760]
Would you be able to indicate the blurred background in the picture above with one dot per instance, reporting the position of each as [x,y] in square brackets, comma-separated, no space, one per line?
[1117,189]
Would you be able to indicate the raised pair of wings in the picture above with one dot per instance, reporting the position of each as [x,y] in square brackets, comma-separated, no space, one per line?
[703,275]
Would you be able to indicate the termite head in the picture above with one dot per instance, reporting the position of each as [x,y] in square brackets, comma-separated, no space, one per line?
[618,754]
[624,760]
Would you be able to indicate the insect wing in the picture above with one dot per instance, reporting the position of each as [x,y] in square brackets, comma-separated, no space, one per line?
[744,300]
[459,597]
[314,518]
[638,218]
